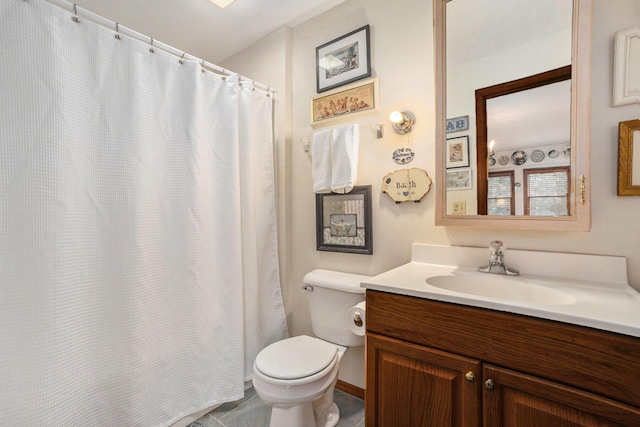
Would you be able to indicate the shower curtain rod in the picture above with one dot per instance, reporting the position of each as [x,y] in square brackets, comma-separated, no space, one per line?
[79,13]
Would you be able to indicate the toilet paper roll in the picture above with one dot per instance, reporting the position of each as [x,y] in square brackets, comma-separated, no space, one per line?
[357,316]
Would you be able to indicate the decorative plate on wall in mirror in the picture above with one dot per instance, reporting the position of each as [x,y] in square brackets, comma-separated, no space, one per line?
[537,156]
[518,157]
[503,160]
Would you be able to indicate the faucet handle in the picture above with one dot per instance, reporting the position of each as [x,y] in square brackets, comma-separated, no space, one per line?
[497,247]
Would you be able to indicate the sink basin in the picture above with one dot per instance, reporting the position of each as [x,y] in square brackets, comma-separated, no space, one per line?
[506,288]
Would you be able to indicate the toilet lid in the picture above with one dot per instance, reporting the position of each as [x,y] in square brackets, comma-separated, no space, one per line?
[295,357]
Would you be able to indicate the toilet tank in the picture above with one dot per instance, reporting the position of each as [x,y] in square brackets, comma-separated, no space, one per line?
[330,295]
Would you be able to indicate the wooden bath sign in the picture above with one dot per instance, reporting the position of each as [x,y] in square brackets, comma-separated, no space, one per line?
[406,185]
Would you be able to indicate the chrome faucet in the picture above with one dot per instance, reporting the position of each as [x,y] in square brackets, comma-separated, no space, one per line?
[496,262]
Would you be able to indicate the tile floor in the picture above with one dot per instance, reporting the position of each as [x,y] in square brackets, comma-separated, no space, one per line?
[251,412]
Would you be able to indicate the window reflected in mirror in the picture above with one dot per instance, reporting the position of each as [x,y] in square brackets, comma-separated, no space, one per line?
[547,191]
[501,193]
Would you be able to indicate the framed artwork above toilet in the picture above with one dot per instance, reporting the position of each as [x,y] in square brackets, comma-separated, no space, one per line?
[343,221]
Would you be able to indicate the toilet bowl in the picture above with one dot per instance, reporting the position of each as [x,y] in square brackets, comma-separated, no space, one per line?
[297,376]
[301,396]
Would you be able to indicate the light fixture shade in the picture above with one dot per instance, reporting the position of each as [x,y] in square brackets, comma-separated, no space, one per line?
[396,117]
[403,122]
[222,3]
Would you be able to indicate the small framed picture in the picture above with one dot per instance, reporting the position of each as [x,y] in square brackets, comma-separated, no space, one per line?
[343,221]
[629,158]
[458,152]
[626,67]
[457,124]
[343,60]
[459,179]
[345,103]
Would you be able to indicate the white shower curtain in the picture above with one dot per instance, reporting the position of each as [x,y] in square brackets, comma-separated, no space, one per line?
[138,260]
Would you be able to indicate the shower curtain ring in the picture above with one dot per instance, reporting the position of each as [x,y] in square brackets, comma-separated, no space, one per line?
[75,13]
[117,36]
[151,48]
[202,66]
[181,61]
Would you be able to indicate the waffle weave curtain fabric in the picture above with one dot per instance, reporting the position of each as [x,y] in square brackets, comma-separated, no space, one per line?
[138,260]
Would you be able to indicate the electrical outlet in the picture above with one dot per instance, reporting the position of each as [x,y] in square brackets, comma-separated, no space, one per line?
[460,207]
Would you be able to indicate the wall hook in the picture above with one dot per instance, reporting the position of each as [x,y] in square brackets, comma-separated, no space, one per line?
[379,128]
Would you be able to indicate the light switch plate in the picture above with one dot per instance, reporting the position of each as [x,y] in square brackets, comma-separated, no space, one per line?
[460,207]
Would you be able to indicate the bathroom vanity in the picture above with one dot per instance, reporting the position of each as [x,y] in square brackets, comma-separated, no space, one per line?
[437,357]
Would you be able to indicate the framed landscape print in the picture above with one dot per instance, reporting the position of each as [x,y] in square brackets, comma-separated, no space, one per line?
[345,102]
[343,60]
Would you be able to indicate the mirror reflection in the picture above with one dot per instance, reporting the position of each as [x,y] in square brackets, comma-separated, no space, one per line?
[508,73]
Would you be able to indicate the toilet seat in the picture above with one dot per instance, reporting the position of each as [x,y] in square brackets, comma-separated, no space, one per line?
[295,358]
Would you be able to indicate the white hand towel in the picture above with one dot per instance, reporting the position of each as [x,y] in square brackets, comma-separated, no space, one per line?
[344,158]
[321,161]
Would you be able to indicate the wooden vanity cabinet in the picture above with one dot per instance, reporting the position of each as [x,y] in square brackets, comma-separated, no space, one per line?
[419,386]
[432,364]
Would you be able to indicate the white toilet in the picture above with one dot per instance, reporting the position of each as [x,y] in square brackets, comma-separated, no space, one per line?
[297,376]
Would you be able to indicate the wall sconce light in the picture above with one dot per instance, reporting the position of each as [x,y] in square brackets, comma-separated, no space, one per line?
[403,121]
[490,153]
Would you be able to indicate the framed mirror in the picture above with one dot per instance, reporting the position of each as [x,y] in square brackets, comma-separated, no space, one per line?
[520,70]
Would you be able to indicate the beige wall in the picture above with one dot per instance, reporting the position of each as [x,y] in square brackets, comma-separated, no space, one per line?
[402,59]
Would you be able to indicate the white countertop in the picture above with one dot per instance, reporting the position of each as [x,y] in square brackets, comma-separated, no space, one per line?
[603,299]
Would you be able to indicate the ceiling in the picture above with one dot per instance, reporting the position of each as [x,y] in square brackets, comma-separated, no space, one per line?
[480,28]
[531,118]
[202,29]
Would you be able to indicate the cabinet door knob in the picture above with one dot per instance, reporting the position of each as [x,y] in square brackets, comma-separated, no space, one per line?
[489,384]
[470,376]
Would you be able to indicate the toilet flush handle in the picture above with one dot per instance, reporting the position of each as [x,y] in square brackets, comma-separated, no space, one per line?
[357,320]
[307,288]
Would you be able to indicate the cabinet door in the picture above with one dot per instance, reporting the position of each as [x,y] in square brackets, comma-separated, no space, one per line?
[413,386]
[513,399]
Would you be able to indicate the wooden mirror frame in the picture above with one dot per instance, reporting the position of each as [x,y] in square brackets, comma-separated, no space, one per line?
[580,205]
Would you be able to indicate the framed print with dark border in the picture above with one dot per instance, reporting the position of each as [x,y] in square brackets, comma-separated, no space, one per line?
[343,221]
[343,60]
[348,102]
[458,152]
